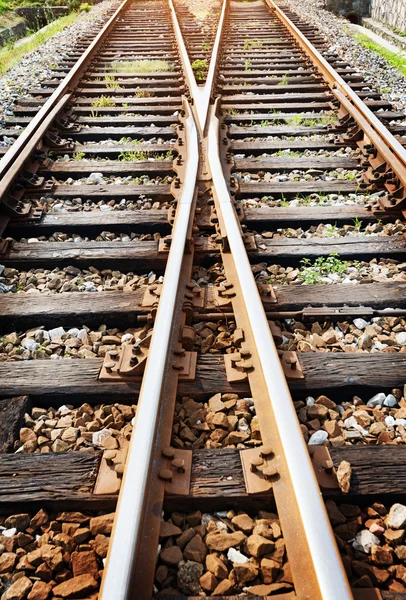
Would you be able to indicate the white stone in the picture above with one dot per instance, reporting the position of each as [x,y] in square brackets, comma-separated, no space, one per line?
[57,332]
[30,344]
[127,337]
[377,400]
[99,436]
[74,331]
[95,178]
[310,401]
[401,338]
[236,557]
[390,401]
[364,540]
[82,333]
[360,323]
[389,422]
[9,532]
[318,438]
[396,518]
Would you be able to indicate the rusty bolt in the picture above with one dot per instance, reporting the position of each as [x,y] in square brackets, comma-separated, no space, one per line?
[168,452]
[255,463]
[327,465]
[109,366]
[245,353]
[270,472]
[179,464]
[165,474]
[109,455]
[119,469]
[292,361]
[266,451]
[177,366]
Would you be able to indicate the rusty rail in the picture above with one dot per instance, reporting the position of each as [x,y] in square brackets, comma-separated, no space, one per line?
[125,542]
[388,159]
[14,159]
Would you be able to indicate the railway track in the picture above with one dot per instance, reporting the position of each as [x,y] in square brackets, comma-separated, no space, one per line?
[203,317]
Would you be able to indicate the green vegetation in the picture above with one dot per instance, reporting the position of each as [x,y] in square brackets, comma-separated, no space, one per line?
[12,54]
[78,156]
[322,266]
[251,44]
[111,83]
[200,69]
[206,47]
[103,101]
[143,93]
[137,155]
[301,120]
[397,60]
[284,80]
[141,66]
[247,65]
[357,224]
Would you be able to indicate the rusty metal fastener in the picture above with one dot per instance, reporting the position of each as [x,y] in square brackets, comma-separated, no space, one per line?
[168,452]
[266,451]
[327,465]
[270,472]
[109,366]
[177,366]
[179,464]
[255,463]
[165,474]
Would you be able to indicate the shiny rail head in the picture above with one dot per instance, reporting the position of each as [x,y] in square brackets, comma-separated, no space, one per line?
[125,540]
[300,477]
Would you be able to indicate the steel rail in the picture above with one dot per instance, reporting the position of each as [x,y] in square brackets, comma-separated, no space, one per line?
[13,161]
[327,565]
[125,537]
[387,145]
[201,95]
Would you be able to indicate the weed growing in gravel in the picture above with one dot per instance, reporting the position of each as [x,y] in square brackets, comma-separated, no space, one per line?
[103,101]
[141,66]
[357,224]
[396,60]
[322,266]
[247,65]
[78,156]
[206,47]
[284,80]
[200,68]
[251,44]
[297,120]
[111,83]
[143,93]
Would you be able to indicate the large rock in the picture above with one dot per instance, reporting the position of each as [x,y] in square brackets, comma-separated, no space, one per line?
[195,550]
[77,587]
[216,566]
[40,591]
[7,562]
[85,562]
[245,572]
[396,518]
[189,574]
[256,545]
[18,590]
[102,524]
[221,540]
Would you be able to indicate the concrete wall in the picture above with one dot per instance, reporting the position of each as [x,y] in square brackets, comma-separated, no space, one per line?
[350,8]
[32,18]
[390,12]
